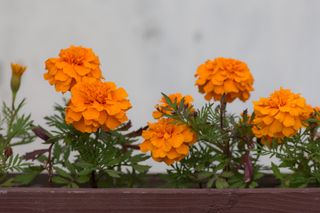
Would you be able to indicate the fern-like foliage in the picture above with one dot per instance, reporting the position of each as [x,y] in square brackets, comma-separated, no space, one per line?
[223,157]
[15,129]
[100,159]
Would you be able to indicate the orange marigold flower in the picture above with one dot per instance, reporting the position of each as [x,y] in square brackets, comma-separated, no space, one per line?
[96,104]
[167,141]
[73,64]
[163,107]
[280,115]
[224,76]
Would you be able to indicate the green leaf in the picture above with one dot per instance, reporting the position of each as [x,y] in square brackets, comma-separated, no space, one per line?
[62,172]
[298,181]
[70,167]
[85,171]
[8,183]
[83,179]
[253,184]
[221,183]
[42,158]
[210,182]
[113,162]
[138,158]
[113,173]
[85,165]
[57,150]
[204,175]
[73,185]
[167,99]
[181,105]
[220,166]
[227,174]
[238,185]
[59,180]
[141,168]
[15,160]
[285,164]
[9,160]
[66,152]
[257,176]
[25,179]
[276,171]
[313,120]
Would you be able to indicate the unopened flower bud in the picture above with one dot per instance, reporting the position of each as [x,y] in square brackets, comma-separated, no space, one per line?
[17,71]
[8,152]
[41,133]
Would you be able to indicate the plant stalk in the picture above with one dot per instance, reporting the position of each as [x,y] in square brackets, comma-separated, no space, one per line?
[50,165]
[226,142]
[93,180]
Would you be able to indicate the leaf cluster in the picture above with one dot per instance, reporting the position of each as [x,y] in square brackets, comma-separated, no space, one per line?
[100,159]
[300,155]
[15,129]
[223,156]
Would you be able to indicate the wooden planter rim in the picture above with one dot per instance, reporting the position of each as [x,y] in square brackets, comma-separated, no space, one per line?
[159,200]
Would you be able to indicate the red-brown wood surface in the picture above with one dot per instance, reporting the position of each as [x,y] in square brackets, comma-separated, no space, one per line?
[158,200]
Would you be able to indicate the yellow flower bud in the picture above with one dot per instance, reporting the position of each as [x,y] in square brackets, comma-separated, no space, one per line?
[17,71]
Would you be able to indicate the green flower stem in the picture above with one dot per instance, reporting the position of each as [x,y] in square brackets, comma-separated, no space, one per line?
[49,165]
[93,178]
[12,118]
[227,152]
[14,95]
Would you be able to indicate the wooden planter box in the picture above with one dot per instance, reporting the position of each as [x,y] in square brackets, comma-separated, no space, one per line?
[159,200]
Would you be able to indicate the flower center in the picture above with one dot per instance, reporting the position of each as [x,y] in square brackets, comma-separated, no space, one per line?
[279,100]
[92,94]
[74,56]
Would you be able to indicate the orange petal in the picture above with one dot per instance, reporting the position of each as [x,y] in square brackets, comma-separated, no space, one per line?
[146,146]
[91,113]
[112,123]
[183,149]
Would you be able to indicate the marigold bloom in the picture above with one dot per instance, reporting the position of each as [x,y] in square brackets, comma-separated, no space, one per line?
[96,104]
[224,76]
[163,107]
[73,64]
[167,141]
[280,115]
[17,71]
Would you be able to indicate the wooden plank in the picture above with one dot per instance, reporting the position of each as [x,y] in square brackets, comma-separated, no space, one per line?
[159,200]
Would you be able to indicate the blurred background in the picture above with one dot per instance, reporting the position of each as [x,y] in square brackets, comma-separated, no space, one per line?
[149,47]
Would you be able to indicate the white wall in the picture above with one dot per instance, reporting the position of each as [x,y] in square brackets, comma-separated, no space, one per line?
[152,46]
